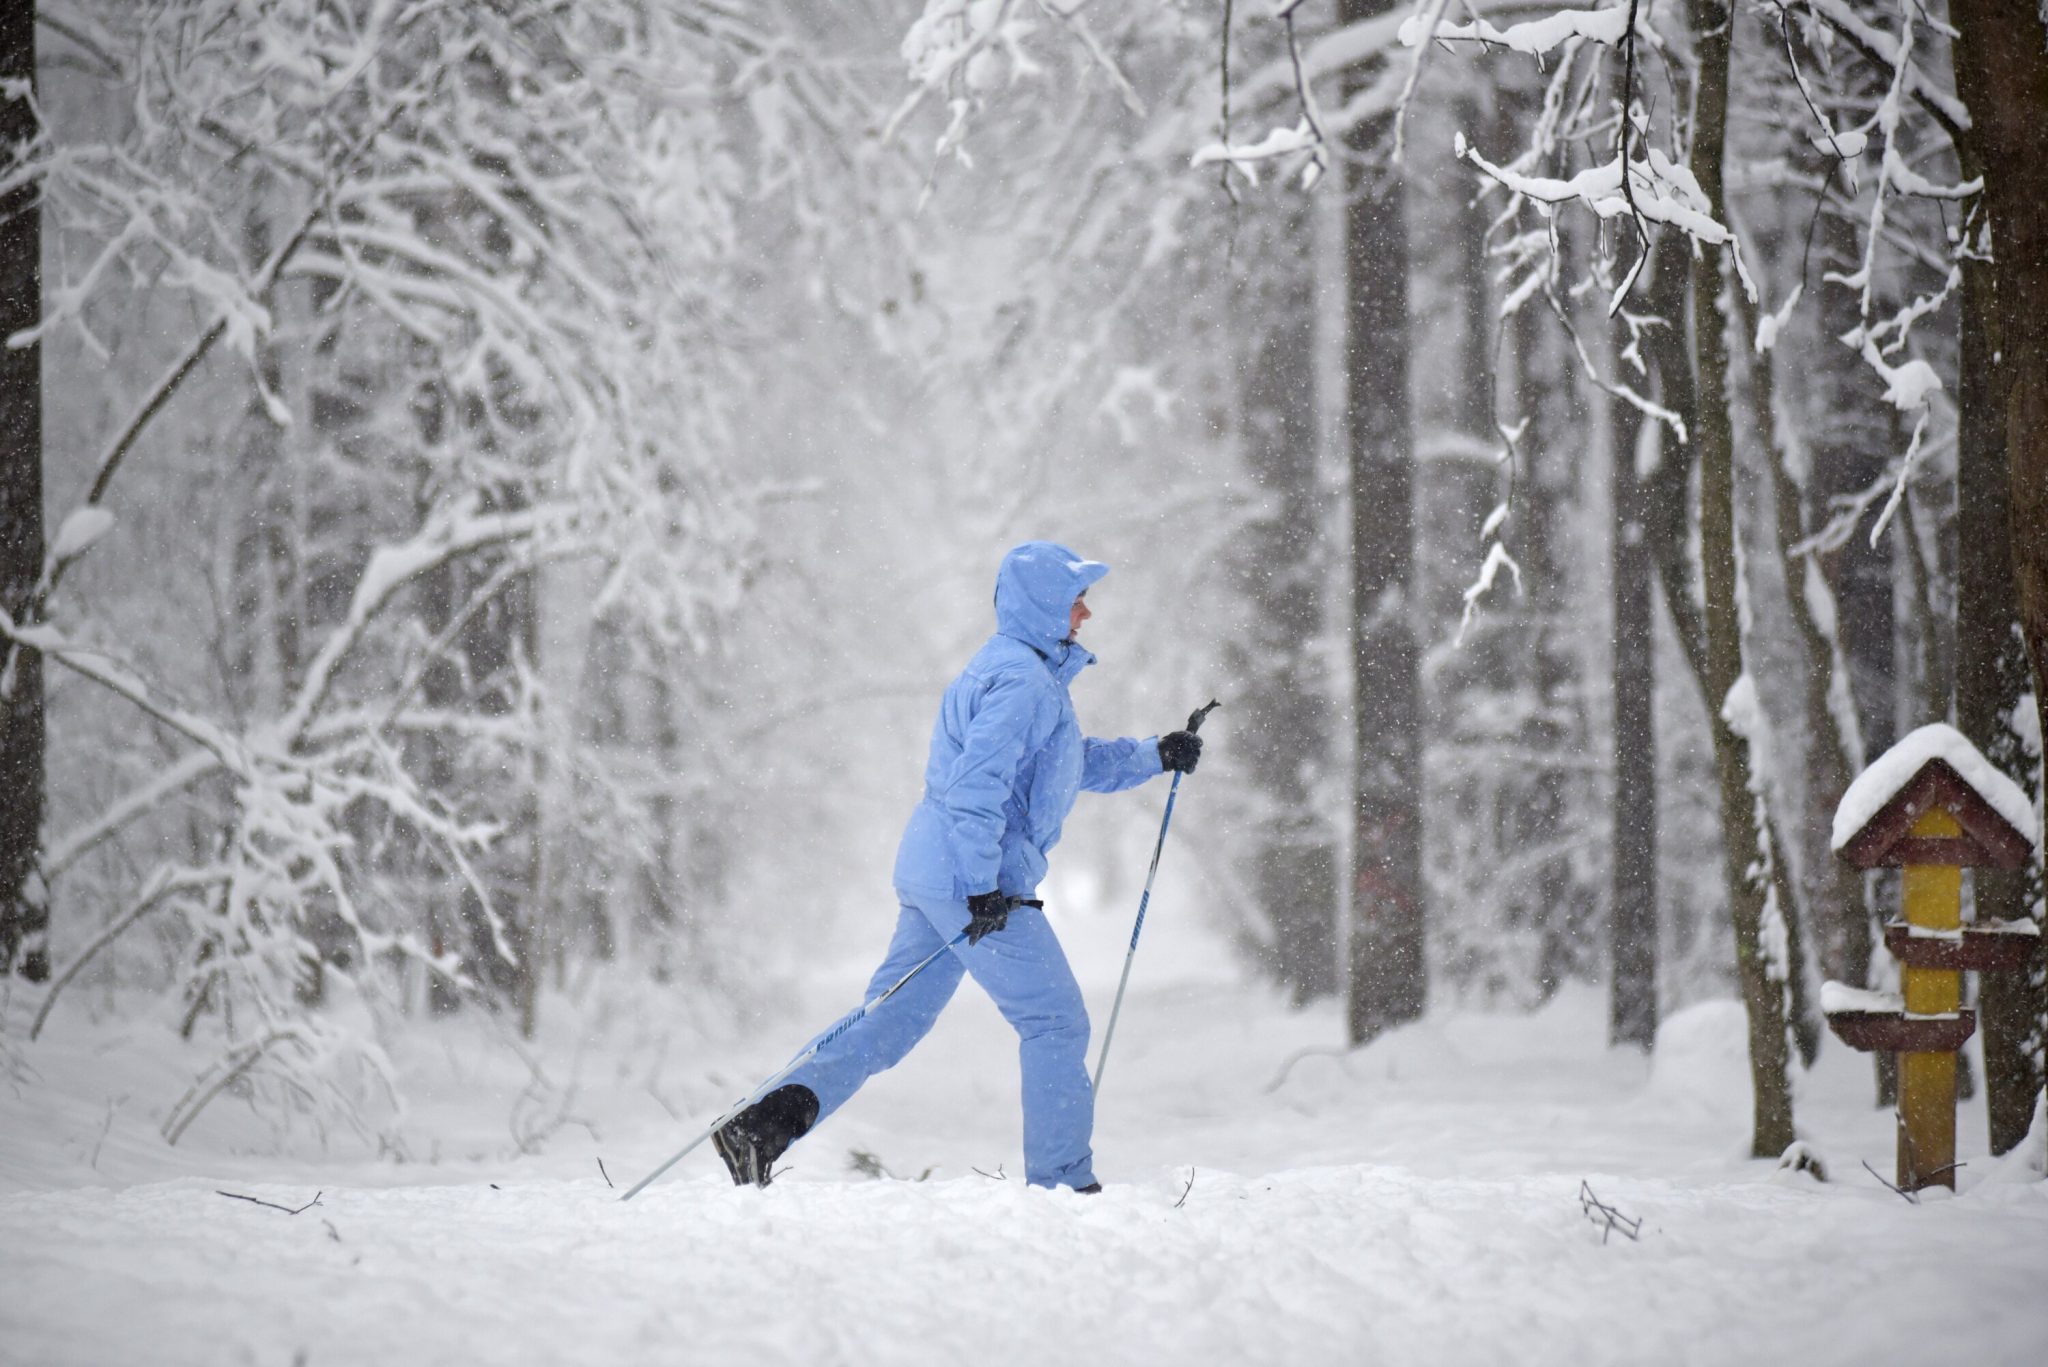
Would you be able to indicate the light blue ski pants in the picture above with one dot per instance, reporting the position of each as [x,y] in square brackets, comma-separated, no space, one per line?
[1023,969]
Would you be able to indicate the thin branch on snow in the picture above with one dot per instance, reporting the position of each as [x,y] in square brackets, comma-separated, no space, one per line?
[272,1205]
[106,1128]
[1606,1216]
[1910,1198]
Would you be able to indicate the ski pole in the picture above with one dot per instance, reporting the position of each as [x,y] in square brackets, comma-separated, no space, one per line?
[846,1023]
[1194,724]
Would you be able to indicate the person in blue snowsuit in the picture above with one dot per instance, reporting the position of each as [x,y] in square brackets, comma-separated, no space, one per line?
[1007,760]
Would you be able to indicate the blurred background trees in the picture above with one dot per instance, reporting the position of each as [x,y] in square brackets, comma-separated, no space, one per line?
[520,472]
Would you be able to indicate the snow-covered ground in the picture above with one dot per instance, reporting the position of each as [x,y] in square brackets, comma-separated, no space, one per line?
[1416,1202]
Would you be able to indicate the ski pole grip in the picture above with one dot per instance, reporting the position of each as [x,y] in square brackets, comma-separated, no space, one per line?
[1196,717]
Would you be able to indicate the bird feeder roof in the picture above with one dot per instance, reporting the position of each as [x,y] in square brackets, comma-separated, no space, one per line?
[1934,767]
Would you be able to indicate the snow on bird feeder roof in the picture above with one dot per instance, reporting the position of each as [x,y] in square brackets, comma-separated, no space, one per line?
[1935,766]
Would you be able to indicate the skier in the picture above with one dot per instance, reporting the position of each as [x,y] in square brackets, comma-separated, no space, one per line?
[1007,760]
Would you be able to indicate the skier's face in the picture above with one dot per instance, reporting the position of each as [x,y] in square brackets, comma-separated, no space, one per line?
[1078,615]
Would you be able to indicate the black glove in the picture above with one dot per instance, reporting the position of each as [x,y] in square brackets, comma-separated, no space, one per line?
[1180,750]
[988,913]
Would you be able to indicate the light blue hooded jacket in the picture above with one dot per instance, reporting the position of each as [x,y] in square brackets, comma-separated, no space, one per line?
[1008,757]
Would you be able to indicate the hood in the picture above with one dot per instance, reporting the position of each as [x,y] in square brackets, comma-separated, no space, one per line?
[1036,589]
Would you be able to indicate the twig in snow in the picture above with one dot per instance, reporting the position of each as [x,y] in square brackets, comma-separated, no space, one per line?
[332,1232]
[867,1164]
[1280,1078]
[105,1129]
[1908,1196]
[1186,1189]
[605,1175]
[1610,1219]
[256,1201]
[1912,1197]
[996,1176]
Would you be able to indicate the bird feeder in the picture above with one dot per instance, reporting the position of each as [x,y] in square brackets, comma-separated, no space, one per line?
[1932,806]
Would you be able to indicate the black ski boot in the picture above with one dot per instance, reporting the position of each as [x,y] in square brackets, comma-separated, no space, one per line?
[751,1141]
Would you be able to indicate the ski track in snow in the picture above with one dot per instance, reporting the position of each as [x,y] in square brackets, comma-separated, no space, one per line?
[1414,1202]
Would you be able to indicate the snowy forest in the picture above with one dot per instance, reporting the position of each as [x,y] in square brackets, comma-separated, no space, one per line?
[494,492]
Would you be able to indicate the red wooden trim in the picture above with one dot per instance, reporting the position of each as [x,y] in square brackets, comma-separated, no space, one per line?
[1894,1032]
[1949,851]
[1976,951]
[1988,838]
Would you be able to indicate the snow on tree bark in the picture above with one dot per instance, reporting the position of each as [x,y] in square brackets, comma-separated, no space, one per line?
[1763,991]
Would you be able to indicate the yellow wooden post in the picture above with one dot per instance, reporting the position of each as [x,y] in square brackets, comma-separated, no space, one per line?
[1927,1081]
[1933,825]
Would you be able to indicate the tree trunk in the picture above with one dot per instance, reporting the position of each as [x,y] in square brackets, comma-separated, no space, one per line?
[1632,915]
[1541,687]
[1658,507]
[1826,915]
[1850,455]
[24,901]
[1849,452]
[1284,734]
[1388,982]
[2001,58]
[1762,984]
[1850,439]
[1666,497]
